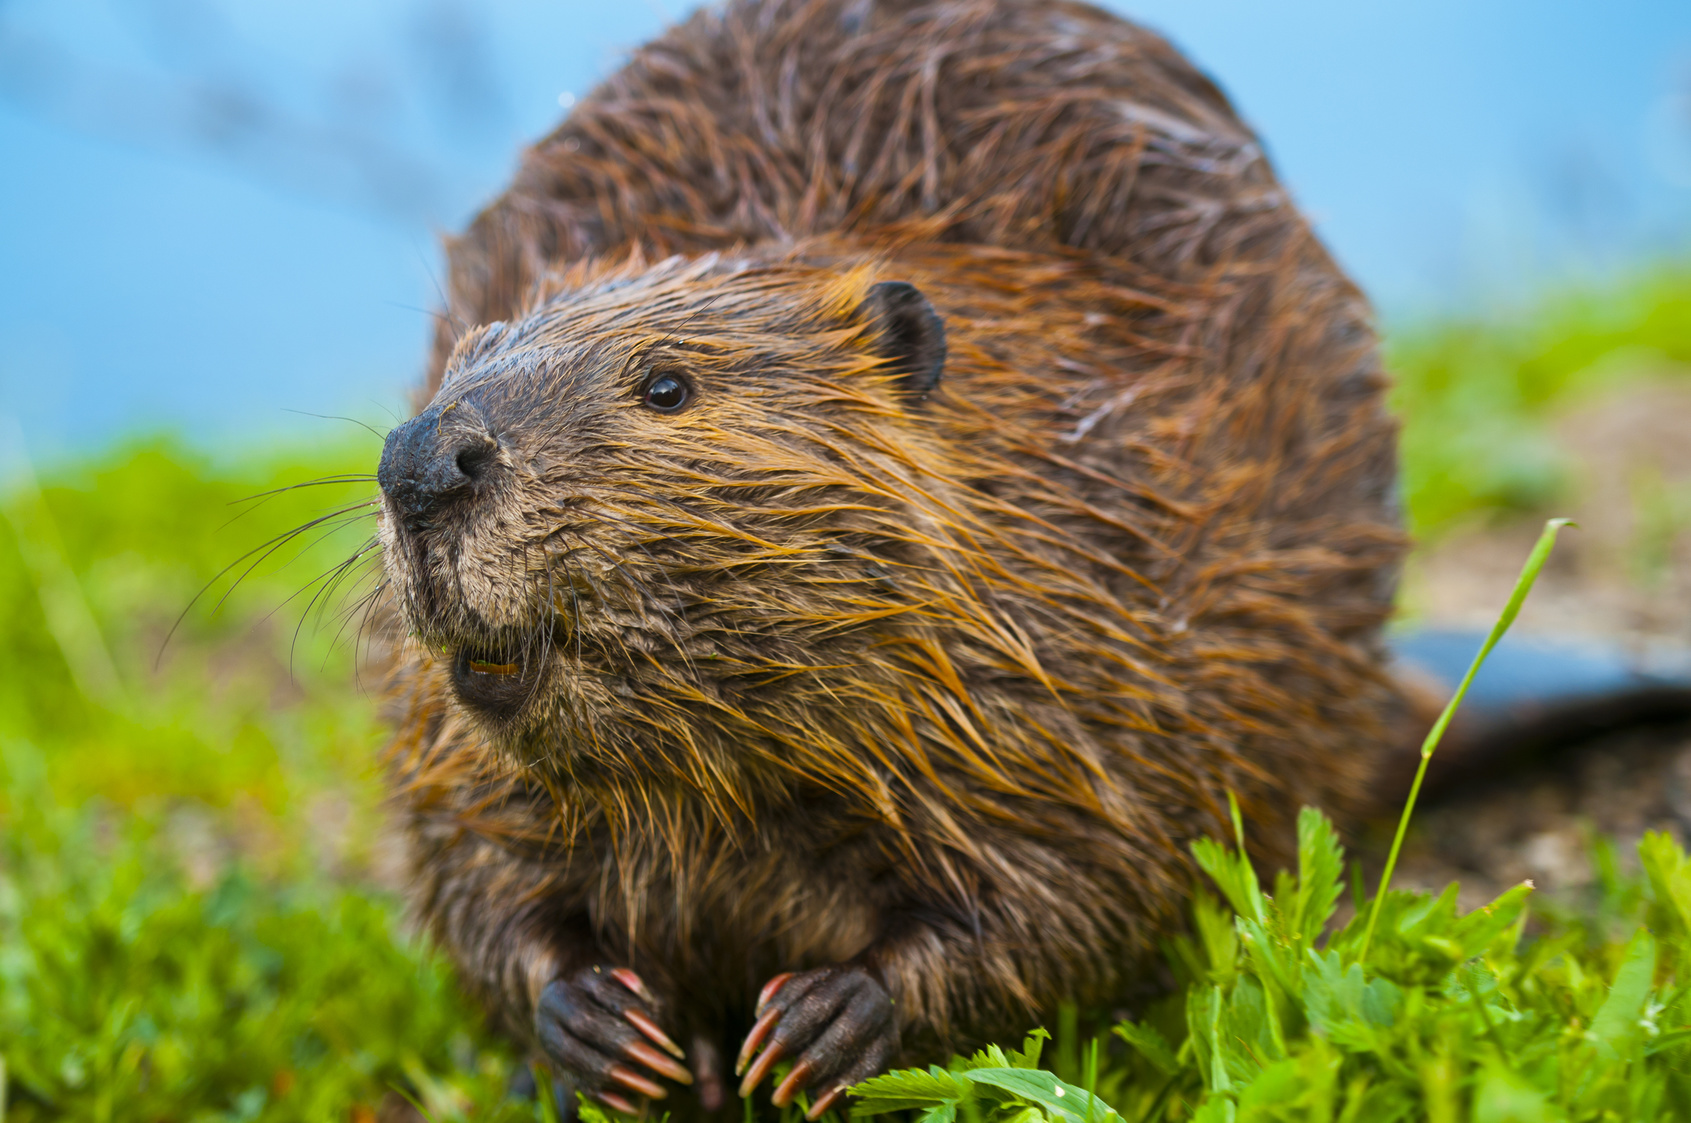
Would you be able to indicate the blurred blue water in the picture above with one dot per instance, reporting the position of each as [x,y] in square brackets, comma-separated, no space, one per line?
[212,212]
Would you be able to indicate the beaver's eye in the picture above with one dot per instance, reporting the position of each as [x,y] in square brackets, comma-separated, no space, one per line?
[667,393]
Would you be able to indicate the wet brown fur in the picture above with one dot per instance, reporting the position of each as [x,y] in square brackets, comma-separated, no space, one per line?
[820,668]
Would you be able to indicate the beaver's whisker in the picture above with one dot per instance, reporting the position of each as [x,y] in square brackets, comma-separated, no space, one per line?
[365,609]
[521,573]
[325,583]
[335,641]
[444,312]
[259,499]
[329,531]
[321,481]
[334,521]
[352,566]
[349,610]
[264,550]
[337,417]
[332,580]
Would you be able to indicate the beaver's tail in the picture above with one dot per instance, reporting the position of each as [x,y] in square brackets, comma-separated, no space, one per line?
[1533,696]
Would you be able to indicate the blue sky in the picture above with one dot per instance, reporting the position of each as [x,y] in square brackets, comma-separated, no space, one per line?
[215,212]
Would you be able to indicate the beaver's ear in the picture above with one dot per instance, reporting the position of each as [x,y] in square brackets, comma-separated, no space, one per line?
[908,333]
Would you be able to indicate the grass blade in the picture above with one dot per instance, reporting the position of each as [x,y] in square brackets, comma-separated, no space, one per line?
[1523,585]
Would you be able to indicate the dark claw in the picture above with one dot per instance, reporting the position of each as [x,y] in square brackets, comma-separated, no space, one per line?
[634,983]
[765,1023]
[769,1058]
[656,1061]
[650,1028]
[826,1100]
[796,1079]
[612,1100]
[769,989]
[836,1022]
[628,1078]
[592,1025]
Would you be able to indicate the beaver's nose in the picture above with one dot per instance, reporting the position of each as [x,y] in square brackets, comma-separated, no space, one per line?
[436,457]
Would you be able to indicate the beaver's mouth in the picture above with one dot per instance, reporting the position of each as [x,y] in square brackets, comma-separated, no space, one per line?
[494,681]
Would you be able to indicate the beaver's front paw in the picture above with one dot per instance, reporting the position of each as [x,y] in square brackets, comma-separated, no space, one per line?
[838,1024]
[599,1025]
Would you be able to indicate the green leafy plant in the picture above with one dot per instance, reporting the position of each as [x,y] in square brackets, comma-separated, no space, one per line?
[1443,1016]
[995,1084]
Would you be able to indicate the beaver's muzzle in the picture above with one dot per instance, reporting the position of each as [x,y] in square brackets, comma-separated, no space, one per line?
[440,457]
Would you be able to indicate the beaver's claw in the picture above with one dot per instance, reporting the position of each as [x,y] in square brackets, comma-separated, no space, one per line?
[836,1022]
[598,1025]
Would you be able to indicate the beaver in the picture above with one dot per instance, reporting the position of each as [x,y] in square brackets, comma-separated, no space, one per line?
[889,469]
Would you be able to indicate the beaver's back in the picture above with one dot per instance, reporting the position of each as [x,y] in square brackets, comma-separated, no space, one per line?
[1027,124]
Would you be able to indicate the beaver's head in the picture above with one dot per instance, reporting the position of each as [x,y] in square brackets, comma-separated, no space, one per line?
[663,492]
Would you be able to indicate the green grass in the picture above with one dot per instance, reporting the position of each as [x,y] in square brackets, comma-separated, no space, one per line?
[1477,395]
[188,926]
[130,993]
[192,924]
